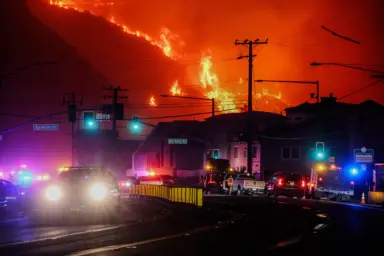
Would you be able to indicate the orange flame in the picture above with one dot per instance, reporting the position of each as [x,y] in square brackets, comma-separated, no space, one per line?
[165,41]
[152,102]
[266,93]
[172,46]
[175,89]
[211,84]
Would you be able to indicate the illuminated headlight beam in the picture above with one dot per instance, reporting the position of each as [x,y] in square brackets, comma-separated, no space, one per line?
[53,193]
[98,192]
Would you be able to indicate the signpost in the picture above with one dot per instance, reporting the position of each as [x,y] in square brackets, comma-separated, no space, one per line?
[177,141]
[364,155]
[45,127]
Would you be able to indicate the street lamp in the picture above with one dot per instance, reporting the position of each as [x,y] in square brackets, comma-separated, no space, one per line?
[351,66]
[20,69]
[192,98]
[317,96]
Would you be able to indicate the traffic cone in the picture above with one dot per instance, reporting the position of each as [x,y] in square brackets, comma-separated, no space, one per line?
[362,199]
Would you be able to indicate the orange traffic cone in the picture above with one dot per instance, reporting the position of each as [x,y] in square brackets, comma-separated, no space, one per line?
[363,198]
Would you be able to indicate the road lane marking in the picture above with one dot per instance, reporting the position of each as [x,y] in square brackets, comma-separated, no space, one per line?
[60,236]
[122,246]
[286,243]
[320,226]
[321,215]
[153,240]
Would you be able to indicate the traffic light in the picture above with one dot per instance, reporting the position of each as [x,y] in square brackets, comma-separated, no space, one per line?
[320,152]
[89,119]
[135,124]
[72,113]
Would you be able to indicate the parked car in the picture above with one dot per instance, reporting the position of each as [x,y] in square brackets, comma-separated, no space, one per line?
[286,184]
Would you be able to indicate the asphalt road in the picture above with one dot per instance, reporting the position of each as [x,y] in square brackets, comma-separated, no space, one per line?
[24,230]
[232,225]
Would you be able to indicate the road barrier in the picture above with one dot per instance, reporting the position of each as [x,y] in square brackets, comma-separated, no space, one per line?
[375,197]
[184,195]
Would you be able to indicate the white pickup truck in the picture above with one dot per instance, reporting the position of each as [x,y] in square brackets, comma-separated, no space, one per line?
[244,184]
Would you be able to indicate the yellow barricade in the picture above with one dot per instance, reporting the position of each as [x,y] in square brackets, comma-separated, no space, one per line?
[375,197]
[192,196]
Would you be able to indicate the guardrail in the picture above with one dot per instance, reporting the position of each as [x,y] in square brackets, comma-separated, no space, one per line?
[184,195]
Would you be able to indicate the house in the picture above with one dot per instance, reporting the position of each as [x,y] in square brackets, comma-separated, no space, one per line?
[175,148]
[342,127]
[228,138]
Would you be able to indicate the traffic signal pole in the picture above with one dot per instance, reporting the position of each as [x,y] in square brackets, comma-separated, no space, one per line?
[71,101]
[250,45]
[115,97]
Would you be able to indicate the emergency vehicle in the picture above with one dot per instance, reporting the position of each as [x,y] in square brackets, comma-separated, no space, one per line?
[334,183]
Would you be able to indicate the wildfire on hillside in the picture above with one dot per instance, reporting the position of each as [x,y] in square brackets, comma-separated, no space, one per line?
[175,89]
[174,47]
[152,102]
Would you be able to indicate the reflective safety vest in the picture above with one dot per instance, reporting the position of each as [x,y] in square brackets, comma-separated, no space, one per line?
[230,182]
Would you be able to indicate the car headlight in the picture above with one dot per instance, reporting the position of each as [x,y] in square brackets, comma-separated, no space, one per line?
[53,193]
[98,192]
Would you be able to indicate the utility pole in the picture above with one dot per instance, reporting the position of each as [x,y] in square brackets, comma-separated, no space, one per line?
[71,101]
[117,109]
[250,45]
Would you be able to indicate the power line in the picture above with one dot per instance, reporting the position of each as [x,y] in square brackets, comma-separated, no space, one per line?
[361,89]
[194,114]
[340,36]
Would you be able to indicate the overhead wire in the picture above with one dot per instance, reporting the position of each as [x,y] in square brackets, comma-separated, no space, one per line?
[361,89]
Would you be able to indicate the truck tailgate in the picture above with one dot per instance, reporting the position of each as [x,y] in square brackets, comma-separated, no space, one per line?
[254,184]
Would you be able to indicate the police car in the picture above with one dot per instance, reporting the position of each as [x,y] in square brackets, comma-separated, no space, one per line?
[89,190]
[10,200]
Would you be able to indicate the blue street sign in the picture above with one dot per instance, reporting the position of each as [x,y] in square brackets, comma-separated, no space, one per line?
[45,127]
[364,155]
[177,141]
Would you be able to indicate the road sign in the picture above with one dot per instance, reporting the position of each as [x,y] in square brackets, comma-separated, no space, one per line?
[364,155]
[45,127]
[177,141]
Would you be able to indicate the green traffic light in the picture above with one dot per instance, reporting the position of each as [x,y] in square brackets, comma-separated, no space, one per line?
[320,155]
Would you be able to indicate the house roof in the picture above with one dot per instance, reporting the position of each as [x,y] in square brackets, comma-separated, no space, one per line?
[332,107]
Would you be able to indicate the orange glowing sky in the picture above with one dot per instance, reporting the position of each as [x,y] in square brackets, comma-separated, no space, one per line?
[295,39]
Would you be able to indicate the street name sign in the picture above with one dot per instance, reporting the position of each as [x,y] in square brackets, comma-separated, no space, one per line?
[177,141]
[45,127]
[364,155]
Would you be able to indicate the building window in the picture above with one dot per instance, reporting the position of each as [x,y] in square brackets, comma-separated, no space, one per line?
[254,152]
[245,153]
[295,153]
[286,152]
[235,152]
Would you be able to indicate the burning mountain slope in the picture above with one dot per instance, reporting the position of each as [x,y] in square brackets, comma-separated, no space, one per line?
[38,90]
[128,61]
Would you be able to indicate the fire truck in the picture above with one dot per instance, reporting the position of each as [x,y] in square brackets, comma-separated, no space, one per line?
[335,183]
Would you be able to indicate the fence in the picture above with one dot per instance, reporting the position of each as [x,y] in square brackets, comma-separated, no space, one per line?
[192,196]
